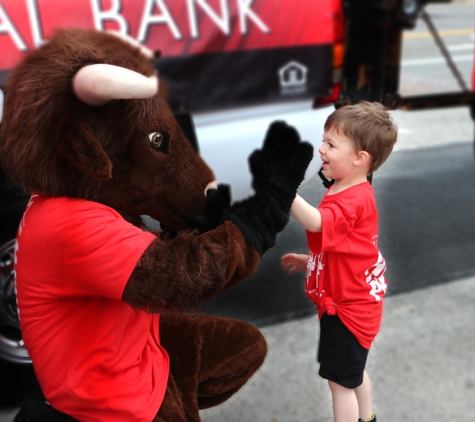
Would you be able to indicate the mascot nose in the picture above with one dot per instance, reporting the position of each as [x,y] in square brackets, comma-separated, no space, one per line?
[211,185]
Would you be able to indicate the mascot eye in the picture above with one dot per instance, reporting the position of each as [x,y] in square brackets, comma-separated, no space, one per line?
[156,140]
[159,141]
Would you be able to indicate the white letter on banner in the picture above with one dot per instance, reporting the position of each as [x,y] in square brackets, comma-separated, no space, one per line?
[222,23]
[149,19]
[244,7]
[113,14]
[6,27]
[35,23]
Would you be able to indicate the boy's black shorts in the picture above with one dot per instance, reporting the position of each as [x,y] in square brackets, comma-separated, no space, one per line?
[342,359]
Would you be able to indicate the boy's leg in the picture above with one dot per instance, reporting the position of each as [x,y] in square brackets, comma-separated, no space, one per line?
[210,359]
[342,361]
[345,405]
[363,395]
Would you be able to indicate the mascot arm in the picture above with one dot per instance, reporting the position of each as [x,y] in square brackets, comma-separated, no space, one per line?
[180,273]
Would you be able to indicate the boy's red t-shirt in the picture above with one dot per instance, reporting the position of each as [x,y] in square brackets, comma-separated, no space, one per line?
[345,272]
[95,357]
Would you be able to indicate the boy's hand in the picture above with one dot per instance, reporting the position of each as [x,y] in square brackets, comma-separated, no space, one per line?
[293,262]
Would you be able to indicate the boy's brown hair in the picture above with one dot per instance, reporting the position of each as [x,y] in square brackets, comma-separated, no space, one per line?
[369,126]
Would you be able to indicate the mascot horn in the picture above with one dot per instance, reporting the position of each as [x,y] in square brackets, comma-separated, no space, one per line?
[105,306]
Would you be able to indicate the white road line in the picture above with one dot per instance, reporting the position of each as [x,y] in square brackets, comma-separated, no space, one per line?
[437,60]
[461,47]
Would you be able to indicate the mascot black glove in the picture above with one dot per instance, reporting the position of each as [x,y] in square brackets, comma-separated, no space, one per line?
[277,169]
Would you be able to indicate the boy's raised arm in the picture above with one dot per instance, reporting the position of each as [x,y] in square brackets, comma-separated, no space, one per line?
[307,215]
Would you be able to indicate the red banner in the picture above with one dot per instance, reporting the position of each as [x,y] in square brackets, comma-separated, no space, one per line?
[176,27]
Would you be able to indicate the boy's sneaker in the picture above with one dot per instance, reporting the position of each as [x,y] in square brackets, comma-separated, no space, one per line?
[373,419]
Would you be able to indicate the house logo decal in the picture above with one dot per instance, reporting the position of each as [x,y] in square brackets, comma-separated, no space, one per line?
[293,78]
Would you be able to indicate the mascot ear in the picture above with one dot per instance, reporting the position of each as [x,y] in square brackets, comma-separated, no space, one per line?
[82,150]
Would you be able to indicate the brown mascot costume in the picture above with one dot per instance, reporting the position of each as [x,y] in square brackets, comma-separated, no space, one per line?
[108,308]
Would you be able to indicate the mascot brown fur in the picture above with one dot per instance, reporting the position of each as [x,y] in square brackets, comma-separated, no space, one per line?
[105,305]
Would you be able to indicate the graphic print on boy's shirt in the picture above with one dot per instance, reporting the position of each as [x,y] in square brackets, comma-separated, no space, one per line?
[314,261]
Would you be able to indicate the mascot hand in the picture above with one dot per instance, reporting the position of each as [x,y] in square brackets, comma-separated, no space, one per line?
[278,169]
[217,200]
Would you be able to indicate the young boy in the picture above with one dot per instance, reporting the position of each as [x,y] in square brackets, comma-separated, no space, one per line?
[345,270]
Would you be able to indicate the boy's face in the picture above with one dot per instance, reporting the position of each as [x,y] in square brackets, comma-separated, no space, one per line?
[338,155]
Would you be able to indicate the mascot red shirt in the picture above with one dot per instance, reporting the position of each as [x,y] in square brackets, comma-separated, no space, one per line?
[106,354]
[345,274]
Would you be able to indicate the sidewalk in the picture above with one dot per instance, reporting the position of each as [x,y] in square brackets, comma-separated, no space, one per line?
[422,365]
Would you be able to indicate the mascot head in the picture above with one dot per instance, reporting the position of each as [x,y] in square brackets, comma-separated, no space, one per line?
[86,117]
